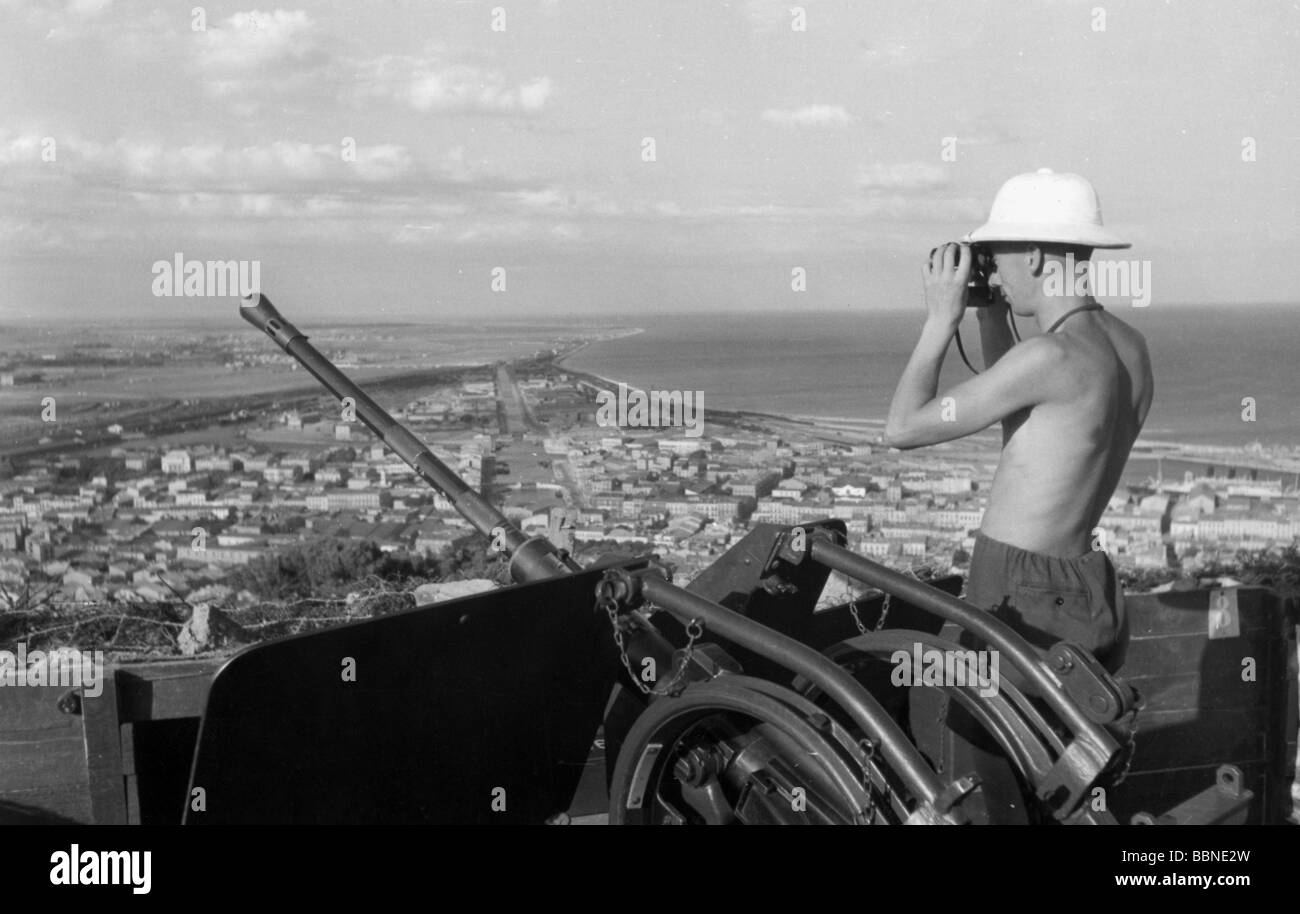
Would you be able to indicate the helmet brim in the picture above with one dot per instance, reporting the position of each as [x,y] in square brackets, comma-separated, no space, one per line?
[1091,236]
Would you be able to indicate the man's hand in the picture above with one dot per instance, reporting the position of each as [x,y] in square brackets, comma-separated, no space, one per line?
[946,274]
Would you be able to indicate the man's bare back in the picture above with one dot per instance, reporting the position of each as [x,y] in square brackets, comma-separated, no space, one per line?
[1062,459]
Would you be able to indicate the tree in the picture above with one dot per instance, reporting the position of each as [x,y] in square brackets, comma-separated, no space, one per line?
[470,557]
[325,567]
[1279,570]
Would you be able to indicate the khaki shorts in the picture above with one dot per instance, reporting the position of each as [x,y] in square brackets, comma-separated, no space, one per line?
[1048,599]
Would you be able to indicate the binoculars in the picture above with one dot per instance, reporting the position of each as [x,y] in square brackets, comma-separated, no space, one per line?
[981,294]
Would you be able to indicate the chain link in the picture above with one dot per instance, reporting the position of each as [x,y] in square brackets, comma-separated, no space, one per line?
[1130,747]
[911,572]
[857,620]
[868,753]
[880,623]
[694,631]
[865,744]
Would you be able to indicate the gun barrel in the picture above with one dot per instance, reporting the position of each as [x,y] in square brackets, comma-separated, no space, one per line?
[531,558]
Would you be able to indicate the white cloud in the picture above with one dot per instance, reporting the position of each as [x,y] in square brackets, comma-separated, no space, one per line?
[251,40]
[915,48]
[533,95]
[192,177]
[767,15]
[293,190]
[61,20]
[896,207]
[984,131]
[431,84]
[547,198]
[288,189]
[810,116]
[890,52]
[252,55]
[277,166]
[906,177]
[24,149]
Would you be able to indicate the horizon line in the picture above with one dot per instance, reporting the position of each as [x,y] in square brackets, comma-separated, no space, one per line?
[526,317]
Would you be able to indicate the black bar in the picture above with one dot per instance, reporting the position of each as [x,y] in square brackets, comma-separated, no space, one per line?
[398,859]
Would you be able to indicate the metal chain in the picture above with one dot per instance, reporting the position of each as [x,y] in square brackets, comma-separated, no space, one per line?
[868,753]
[865,744]
[910,571]
[694,631]
[1130,747]
[857,620]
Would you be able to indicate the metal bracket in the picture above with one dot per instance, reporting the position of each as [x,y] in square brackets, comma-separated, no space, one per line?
[794,545]
[777,585]
[954,793]
[1074,772]
[1227,802]
[707,661]
[1101,698]
[623,585]
[925,814]
[70,702]
[1224,620]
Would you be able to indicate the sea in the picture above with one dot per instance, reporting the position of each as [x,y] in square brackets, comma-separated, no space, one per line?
[1206,361]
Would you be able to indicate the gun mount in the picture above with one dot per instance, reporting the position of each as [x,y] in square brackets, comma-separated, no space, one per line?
[729,700]
[609,692]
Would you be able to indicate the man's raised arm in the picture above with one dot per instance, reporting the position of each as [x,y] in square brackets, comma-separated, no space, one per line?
[1027,375]
[1021,376]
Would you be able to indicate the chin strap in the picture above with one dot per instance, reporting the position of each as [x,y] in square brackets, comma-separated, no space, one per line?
[1091,306]
[1015,332]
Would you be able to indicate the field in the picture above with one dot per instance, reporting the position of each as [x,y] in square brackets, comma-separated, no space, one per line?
[58,382]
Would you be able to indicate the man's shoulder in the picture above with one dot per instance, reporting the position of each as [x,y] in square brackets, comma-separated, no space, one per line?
[1060,366]
[1044,349]
[1126,331]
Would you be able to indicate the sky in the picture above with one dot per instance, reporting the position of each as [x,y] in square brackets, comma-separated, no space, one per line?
[389,160]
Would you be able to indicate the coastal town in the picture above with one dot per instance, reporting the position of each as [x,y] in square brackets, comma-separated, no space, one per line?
[149,519]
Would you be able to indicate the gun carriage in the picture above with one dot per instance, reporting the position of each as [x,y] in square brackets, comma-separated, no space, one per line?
[608,691]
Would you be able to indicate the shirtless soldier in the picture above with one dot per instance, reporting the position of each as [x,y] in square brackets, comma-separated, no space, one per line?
[1071,402]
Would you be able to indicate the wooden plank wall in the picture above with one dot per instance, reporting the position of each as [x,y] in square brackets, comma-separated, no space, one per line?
[1200,710]
[61,765]
[43,776]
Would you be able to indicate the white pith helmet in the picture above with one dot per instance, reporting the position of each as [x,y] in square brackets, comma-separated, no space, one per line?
[1046,206]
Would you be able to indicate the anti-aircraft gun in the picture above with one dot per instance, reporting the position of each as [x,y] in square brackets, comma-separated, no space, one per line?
[730,700]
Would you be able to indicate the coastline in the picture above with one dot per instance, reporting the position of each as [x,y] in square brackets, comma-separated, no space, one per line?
[843,423]
[1147,448]
[861,425]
